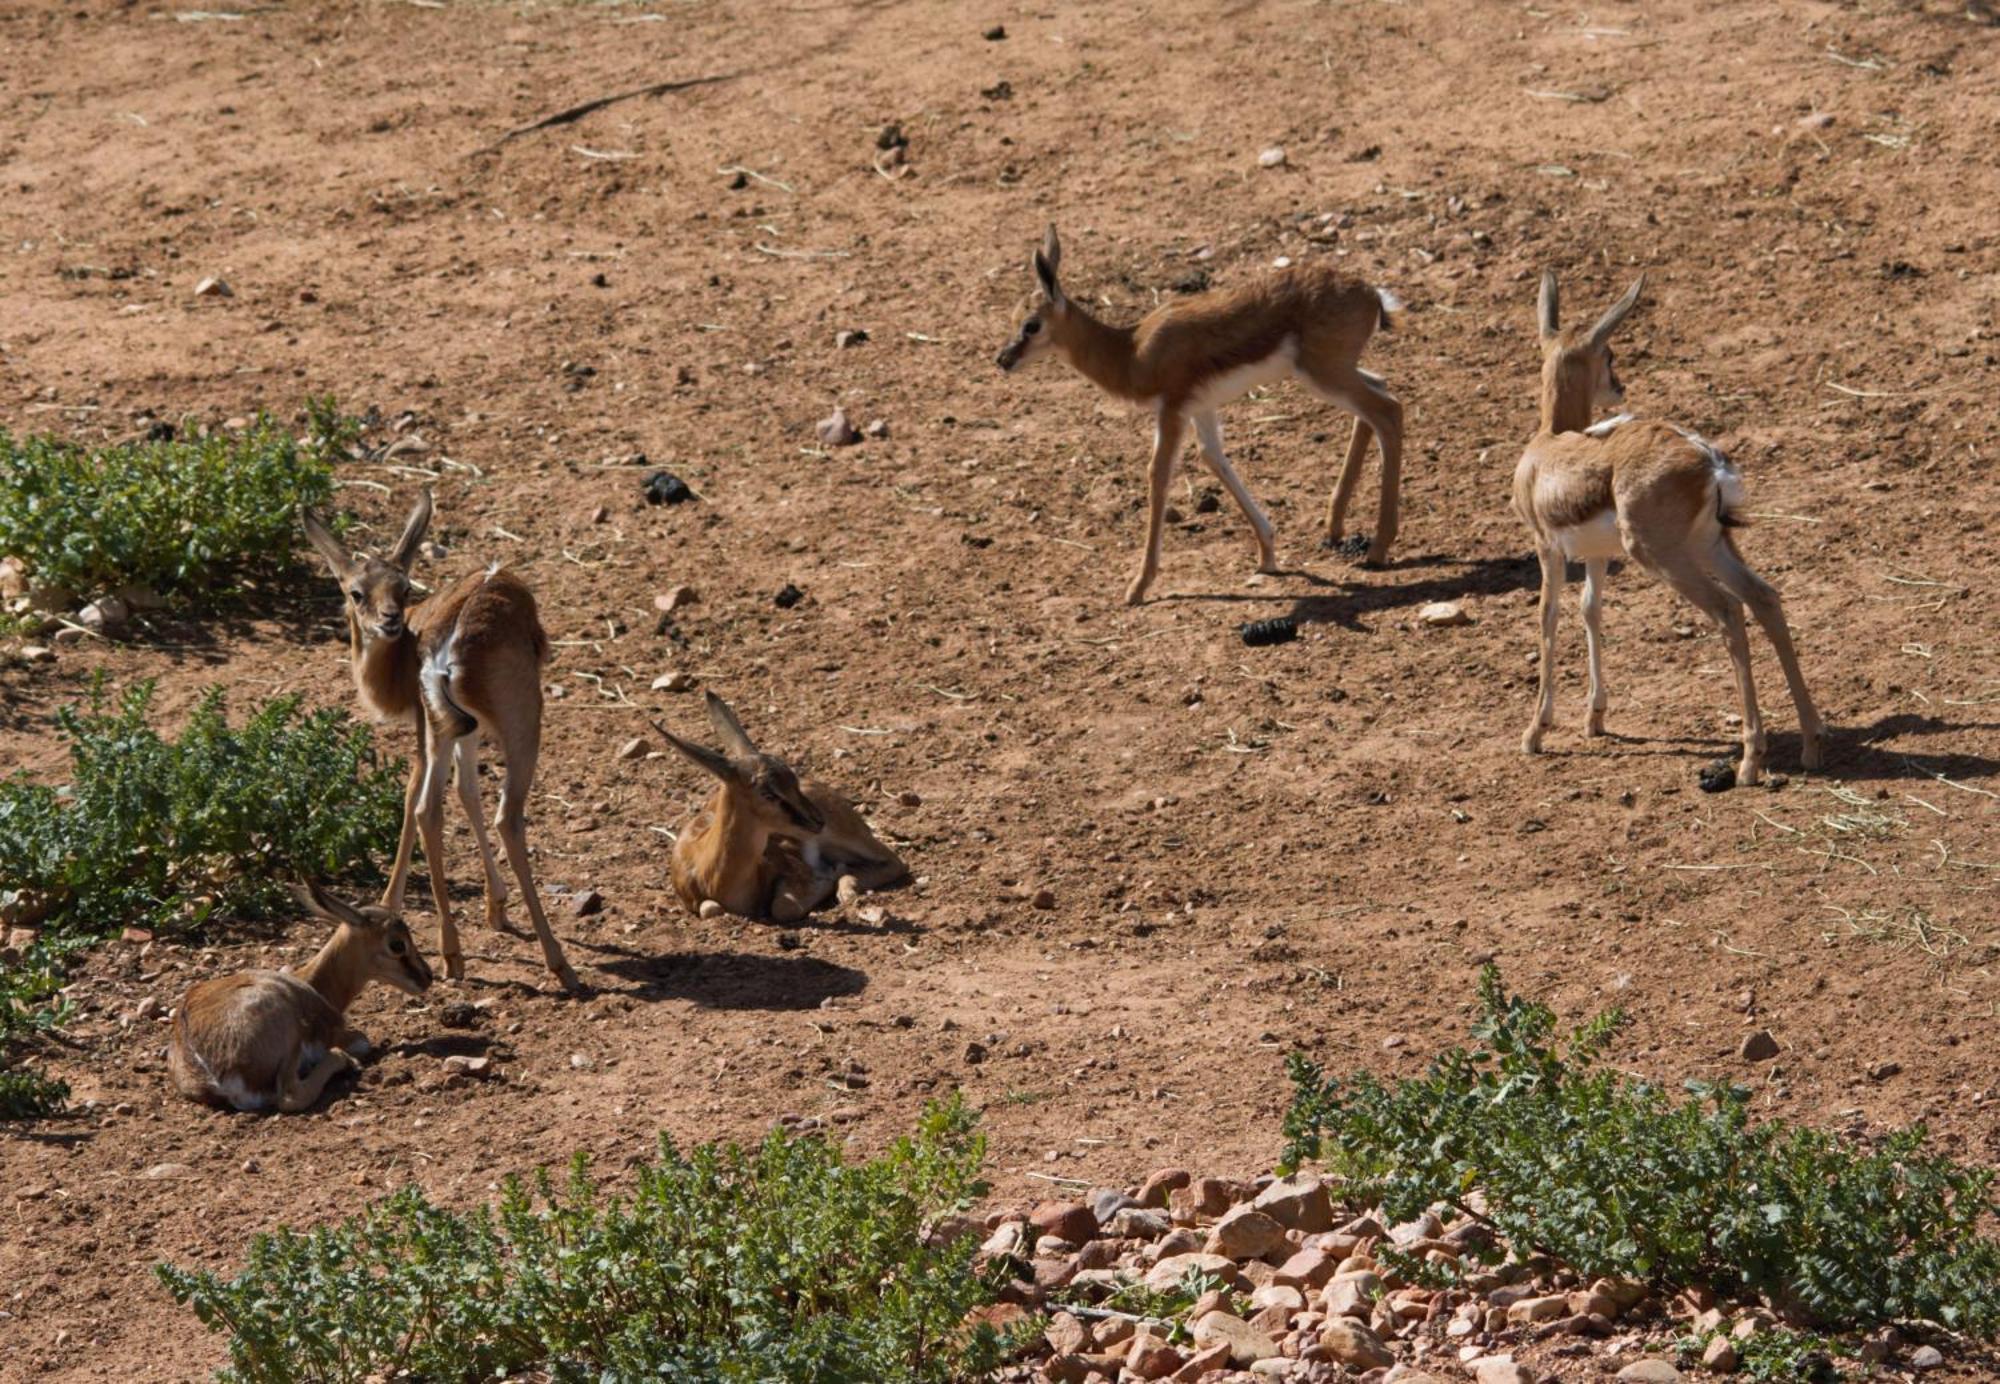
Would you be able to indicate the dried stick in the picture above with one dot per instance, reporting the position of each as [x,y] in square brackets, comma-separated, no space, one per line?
[575,113]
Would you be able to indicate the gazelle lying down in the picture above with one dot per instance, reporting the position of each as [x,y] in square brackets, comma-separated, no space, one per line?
[1188,358]
[271,1040]
[767,846]
[1649,491]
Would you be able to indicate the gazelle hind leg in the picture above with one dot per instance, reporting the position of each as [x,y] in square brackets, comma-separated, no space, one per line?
[465,757]
[430,827]
[1209,430]
[1343,490]
[1593,634]
[1363,395]
[512,824]
[296,1093]
[1769,611]
[1706,593]
[1553,575]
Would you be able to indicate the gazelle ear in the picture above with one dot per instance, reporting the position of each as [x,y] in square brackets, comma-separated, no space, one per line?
[1052,248]
[414,528]
[1046,262]
[322,539]
[728,729]
[1547,306]
[1615,314]
[715,762]
[322,904]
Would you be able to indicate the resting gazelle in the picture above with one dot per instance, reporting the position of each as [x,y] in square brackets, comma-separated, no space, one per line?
[461,665]
[1187,358]
[1652,492]
[766,846]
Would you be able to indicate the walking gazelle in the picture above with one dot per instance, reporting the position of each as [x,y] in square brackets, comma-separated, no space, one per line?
[1186,359]
[460,665]
[1652,492]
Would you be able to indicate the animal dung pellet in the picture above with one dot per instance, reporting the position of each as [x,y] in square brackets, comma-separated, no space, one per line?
[665,488]
[1282,629]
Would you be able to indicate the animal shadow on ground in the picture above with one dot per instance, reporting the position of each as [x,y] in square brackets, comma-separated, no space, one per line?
[735,980]
[442,1045]
[1856,753]
[296,606]
[1471,577]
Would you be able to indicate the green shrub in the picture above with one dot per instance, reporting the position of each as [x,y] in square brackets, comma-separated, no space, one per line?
[1777,1355]
[161,833]
[778,1262]
[176,516]
[1613,1175]
[30,1005]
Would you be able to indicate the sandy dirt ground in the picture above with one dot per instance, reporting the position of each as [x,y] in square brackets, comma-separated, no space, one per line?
[1251,851]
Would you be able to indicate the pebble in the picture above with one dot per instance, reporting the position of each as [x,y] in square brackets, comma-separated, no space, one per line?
[1274,157]
[710,909]
[36,653]
[1044,899]
[635,748]
[679,598]
[1926,1358]
[468,1066]
[161,1171]
[579,1062]
[1441,614]
[787,596]
[214,288]
[586,903]
[877,428]
[673,682]
[836,431]
[1720,1357]
[105,615]
[1758,1047]
[1650,1371]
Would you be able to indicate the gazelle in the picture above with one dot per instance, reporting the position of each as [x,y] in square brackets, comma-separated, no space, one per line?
[767,846]
[460,665]
[1188,358]
[1652,492]
[263,1040]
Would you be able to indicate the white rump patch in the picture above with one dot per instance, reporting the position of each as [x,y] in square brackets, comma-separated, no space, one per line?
[1728,480]
[1233,384]
[1390,302]
[1608,426]
[1596,537]
[492,568]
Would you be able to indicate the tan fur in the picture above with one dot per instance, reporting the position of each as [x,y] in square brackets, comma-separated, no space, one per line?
[767,846]
[239,1041]
[1667,496]
[1313,321]
[488,626]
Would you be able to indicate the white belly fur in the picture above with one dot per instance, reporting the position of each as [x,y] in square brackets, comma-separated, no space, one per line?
[1594,538]
[1233,384]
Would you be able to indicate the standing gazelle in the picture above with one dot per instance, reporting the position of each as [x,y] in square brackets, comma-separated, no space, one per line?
[1650,491]
[466,662]
[1186,359]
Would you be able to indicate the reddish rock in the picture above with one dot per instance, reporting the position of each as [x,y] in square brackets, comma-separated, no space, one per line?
[1307,1270]
[1209,1360]
[1299,1202]
[1244,1232]
[1152,1358]
[1155,1190]
[1070,1221]
[1067,1336]
[1355,1346]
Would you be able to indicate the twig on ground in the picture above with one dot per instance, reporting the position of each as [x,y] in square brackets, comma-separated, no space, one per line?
[578,112]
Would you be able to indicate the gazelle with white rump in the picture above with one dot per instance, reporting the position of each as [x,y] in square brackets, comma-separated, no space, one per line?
[1186,359]
[462,665]
[271,1040]
[767,846]
[1656,493]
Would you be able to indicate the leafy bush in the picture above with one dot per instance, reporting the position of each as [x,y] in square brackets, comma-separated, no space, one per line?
[1612,1175]
[725,1264]
[161,833]
[29,1005]
[1778,1356]
[167,515]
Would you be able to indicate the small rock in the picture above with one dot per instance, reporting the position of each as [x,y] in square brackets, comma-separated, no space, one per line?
[1926,1358]
[1245,1233]
[1355,1345]
[160,1172]
[1299,1202]
[1151,1358]
[1651,1370]
[1538,1309]
[995,34]
[459,1014]
[710,909]
[251,1165]
[1502,1369]
[213,288]
[1440,614]
[679,598]
[147,1007]
[1274,157]
[1720,1356]
[848,891]
[843,340]
[877,428]
[468,1066]
[105,615]
[580,1062]
[665,488]
[583,905]
[1044,899]
[1065,1220]
[1157,1188]
[1065,1334]
[36,653]
[1138,1223]
[1818,120]
[635,748]
[1245,1342]
[1882,1071]
[1758,1047]
[836,431]
[673,682]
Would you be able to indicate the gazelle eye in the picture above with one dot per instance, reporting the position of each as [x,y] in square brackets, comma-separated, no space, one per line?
[354,596]
[1031,326]
[396,947]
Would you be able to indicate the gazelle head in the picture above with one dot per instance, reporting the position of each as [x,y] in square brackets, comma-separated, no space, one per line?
[376,588]
[374,943]
[1577,369]
[1048,314]
[762,783]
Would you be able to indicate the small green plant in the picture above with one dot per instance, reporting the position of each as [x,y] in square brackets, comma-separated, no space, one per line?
[1775,1354]
[1165,1308]
[1613,1175]
[175,516]
[30,1005]
[780,1261]
[162,833]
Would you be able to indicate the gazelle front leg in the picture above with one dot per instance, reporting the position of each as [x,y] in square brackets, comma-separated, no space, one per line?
[399,876]
[1167,431]
[1593,634]
[1209,430]
[430,826]
[1545,698]
[296,1093]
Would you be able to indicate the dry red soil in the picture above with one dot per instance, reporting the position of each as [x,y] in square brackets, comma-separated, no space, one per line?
[1309,847]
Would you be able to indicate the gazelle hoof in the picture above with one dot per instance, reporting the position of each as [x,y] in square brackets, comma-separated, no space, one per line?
[1135,594]
[454,966]
[569,981]
[1595,725]
[1811,755]
[1531,743]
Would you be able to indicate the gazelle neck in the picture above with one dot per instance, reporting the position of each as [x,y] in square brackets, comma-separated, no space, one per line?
[740,836]
[1102,353]
[340,971]
[1566,397]
[385,670]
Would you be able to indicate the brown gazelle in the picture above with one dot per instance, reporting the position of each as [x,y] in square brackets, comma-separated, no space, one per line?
[1188,358]
[271,1040]
[766,846]
[1646,490]
[462,664]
